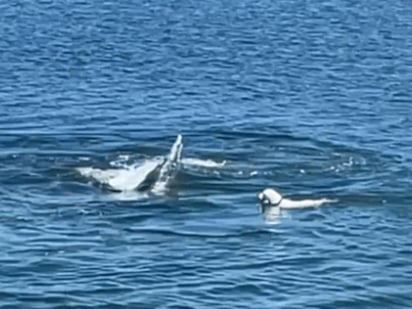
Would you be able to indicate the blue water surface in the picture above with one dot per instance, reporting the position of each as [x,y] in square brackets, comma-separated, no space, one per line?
[311,97]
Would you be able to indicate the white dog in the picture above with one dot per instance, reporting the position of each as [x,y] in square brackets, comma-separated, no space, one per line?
[271,198]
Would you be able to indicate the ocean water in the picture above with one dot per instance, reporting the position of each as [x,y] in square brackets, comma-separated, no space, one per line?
[312,98]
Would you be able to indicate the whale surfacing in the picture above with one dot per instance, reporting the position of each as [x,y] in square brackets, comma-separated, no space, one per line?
[151,176]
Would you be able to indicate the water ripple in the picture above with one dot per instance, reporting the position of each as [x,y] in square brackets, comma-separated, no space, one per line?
[311,98]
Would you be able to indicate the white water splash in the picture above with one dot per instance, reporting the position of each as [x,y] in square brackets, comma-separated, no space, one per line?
[348,164]
[126,196]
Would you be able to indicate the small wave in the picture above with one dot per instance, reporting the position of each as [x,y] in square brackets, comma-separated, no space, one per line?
[349,163]
[203,163]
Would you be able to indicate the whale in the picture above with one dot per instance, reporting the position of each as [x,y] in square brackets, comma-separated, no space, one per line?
[152,175]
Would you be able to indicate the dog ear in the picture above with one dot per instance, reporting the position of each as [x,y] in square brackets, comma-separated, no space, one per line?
[274,196]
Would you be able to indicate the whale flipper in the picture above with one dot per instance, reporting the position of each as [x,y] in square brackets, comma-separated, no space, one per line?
[158,178]
[170,167]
